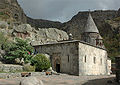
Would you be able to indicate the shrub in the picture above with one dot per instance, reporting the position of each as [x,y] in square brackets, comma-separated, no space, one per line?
[29,68]
[18,49]
[1,13]
[41,62]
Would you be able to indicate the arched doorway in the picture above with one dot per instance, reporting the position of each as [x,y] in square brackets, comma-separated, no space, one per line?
[57,65]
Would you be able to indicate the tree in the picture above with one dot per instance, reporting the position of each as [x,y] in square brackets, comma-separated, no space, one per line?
[41,62]
[19,49]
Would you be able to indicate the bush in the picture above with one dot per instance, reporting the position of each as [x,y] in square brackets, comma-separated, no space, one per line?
[29,68]
[18,49]
[41,62]
[1,13]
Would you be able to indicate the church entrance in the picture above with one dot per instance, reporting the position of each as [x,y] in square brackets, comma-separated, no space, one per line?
[58,68]
[57,65]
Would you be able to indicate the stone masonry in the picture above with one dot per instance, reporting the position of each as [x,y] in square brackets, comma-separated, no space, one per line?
[70,55]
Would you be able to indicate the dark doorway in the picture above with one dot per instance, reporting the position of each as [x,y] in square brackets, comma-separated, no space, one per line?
[58,68]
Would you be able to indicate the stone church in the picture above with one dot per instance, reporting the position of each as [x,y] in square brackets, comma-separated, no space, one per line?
[79,57]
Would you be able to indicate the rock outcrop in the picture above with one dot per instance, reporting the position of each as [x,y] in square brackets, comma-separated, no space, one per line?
[35,36]
[40,36]
[11,12]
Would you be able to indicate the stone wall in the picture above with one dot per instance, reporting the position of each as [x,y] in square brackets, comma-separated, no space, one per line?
[10,68]
[92,60]
[109,66]
[77,58]
[18,74]
[65,52]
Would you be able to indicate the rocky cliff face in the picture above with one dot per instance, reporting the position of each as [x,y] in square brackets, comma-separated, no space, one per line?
[11,12]
[12,24]
[36,37]
[40,36]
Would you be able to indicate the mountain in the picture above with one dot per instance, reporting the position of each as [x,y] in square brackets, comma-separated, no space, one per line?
[107,21]
[78,22]
[40,23]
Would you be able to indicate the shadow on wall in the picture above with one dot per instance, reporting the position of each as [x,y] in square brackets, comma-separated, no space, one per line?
[104,81]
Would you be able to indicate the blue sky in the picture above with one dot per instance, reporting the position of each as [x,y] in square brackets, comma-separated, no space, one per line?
[64,10]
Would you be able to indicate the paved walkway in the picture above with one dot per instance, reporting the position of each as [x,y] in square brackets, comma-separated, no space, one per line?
[64,79]
[8,82]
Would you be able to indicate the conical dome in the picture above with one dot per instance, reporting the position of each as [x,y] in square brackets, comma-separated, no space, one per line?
[90,25]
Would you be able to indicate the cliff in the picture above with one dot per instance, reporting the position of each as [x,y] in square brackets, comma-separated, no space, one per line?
[11,12]
[107,21]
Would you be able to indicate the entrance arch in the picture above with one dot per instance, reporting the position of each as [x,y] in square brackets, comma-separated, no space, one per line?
[57,65]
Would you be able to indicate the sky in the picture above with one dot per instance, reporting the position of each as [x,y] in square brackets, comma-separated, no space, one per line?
[64,10]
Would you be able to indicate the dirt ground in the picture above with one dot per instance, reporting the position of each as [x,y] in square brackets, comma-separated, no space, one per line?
[65,79]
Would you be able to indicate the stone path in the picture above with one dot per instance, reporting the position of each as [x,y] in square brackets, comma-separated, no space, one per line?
[64,79]
[8,82]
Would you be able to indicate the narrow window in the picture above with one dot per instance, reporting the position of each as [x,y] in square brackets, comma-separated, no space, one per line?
[85,59]
[68,58]
[94,60]
[101,61]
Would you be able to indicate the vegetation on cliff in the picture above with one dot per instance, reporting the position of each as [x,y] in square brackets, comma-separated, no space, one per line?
[113,46]
[112,43]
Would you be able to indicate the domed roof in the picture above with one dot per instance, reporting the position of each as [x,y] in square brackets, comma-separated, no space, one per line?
[90,25]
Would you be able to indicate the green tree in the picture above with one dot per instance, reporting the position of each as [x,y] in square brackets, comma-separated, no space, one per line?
[41,62]
[19,49]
